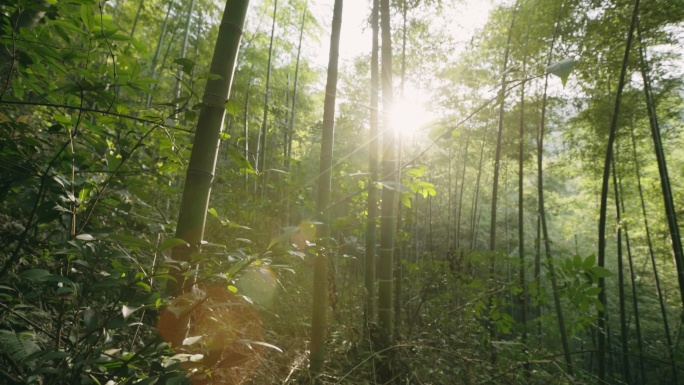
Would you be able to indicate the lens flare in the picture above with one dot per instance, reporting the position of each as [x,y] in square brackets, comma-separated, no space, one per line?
[214,327]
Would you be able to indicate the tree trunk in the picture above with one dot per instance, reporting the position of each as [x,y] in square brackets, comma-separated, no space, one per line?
[542,210]
[200,172]
[668,202]
[371,225]
[476,194]
[460,194]
[521,217]
[621,284]
[288,145]
[320,297]
[661,299]
[153,67]
[399,244]
[184,48]
[260,163]
[632,277]
[604,199]
[388,219]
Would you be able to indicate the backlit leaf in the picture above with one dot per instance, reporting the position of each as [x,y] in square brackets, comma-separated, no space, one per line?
[562,69]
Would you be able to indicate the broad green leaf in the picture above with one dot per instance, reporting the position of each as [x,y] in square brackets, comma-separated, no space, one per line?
[238,266]
[87,17]
[577,262]
[562,69]
[589,262]
[601,272]
[186,65]
[57,278]
[213,212]
[232,107]
[593,291]
[35,274]
[232,289]
[406,200]
[240,159]
[171,243]
[143,286]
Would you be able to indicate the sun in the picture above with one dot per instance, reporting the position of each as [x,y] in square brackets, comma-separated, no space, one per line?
[409,115]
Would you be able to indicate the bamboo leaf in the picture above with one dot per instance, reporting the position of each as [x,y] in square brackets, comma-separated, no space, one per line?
[562,69]
[171,243]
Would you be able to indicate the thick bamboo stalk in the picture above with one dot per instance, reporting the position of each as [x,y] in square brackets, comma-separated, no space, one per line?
[320,295]
[200,172]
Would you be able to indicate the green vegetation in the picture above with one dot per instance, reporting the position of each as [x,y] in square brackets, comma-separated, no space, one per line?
[190,195]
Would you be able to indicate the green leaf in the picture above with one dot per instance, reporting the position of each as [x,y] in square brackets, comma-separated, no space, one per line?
[562,69]
[238,266]
[240,160]
[406,200]
[577,262]
[232,289]
[18,347]
[592,291]
[601,272]
[213,212]
[171,243]
[232,107]
[589,262]
[143,286]
[87,17]
[186,65]
[35,274]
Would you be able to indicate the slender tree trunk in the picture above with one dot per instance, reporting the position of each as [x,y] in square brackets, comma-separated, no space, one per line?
[157,52]
[371,225]
[246,123]
[668,201]
[320,297]
[537,279]
[604,198]
[542,210]
[184,47]
[661,299]
[460,194]
[398,245]
[200,172]
[495,179]
[135,20]
[632,276]
[621,284]
[499,137]
[288,145]
[388,218]
[260,163]
[476,195]
[521,217]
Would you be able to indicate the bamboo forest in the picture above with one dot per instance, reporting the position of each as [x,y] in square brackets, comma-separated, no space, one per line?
[311,192]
